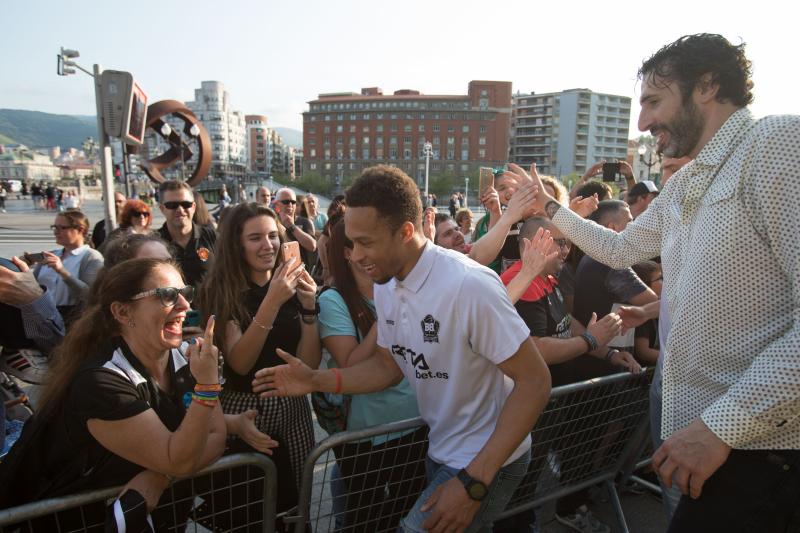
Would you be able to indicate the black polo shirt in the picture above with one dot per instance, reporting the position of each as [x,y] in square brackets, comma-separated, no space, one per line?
[285,334]
[58,455]
[195,258]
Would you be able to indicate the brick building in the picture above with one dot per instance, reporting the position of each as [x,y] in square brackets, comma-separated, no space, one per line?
[346,132]
[259,149]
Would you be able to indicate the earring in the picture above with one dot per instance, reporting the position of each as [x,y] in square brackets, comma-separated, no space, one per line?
[131,323]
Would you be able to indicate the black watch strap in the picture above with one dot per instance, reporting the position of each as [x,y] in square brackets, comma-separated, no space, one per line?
[476,490]
[310,312]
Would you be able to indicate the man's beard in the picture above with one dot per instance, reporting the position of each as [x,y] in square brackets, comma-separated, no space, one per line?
[684,131]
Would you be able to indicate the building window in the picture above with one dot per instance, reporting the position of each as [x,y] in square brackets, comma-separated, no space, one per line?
[312,129]
[339,141]
[379,128]
[327,141]
[312,152]
[379,153]
[379,141]
[464,141]
[392,140]
[365,140]
[436,141]
[352,153]
[451,129]
[365,129]
[353,116]
[340,154]
[464,168]
[407,139]
[327,118]
[451,140]
[435,128]
[352,128]
[393,153]
[393,128]
[407,128]
[451,154]
[464,155]
[340,117]
[327,154]
[312,166]
[407,153]
[365,116]
[465,128]
[339,128]
[312,140]
[450,167]
[326,129]
[352,141]
[421,128]
[482,141]
[365,153]
[482,153]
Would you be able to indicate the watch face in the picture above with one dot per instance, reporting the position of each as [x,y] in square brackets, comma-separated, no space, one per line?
[477,490]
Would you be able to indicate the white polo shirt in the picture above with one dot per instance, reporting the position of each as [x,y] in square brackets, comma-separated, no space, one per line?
[448,325]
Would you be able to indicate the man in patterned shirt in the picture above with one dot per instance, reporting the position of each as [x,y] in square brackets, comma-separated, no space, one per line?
[731,389]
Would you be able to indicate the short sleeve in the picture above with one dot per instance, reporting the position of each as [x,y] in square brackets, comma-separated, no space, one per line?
[306,225]
[334,317]
[534,314]
[493,326]
[104,394]
[624,284]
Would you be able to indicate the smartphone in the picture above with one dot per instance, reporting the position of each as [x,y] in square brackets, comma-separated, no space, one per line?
[290,249]
[610,171]
[486,179]
[33,258]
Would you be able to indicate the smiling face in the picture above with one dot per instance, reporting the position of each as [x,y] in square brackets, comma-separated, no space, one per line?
[675,123]
[448,236]
[158,327]
[179,217]
[376,249]
[260,243]
[506,186]
[286,202]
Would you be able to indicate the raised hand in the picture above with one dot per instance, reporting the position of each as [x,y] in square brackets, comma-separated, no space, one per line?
[292,379]
[306,290]
[521,203]
[604,329]
[584,206]
[537,253]
[626,361]
[203,357]
[542,197]
[491,200]
[632,316]
[428,223]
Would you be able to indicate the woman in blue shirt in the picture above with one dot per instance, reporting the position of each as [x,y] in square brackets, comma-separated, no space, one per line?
[348,332]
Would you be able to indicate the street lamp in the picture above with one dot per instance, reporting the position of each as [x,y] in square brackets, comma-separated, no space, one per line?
[427,150]
[645,148]
[466,192]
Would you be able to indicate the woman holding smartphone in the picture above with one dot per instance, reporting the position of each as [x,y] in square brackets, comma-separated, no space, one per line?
[262,303]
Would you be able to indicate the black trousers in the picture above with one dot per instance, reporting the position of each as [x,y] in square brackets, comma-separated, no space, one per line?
[754,491]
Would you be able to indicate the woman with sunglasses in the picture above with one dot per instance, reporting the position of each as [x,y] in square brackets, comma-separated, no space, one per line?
[68,272]
[263,303]
[135,217]
[127,402]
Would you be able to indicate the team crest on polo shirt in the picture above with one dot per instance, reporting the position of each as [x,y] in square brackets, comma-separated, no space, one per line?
[203,254]
[430,329]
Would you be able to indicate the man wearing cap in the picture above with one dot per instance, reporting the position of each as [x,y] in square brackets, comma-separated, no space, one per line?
[640,196]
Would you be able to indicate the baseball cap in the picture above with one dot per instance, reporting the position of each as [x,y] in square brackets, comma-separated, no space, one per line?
[643,188]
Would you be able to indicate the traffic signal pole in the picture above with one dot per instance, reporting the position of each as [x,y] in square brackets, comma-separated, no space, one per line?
[105,156]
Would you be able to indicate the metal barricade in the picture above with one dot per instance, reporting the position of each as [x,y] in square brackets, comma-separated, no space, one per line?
[367,480]
[237,493]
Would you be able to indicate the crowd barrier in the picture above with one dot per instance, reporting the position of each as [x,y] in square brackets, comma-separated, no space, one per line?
[237,493]
[589,434]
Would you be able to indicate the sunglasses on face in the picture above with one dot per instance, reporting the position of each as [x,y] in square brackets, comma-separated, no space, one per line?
[140,214]
[174,205]
[55,227]
[168,295]
[288,202]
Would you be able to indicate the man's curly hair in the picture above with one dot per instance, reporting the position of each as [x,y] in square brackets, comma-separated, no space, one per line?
[391,192]
[689,58]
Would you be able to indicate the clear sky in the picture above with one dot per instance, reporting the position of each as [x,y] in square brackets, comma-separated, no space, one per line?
[275,56]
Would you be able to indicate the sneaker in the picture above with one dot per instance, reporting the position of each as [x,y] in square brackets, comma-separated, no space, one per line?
[584,521]
[28,365]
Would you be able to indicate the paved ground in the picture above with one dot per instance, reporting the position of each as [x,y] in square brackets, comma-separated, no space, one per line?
[24,229]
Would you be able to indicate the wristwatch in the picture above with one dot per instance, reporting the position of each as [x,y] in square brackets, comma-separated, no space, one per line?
[476,490]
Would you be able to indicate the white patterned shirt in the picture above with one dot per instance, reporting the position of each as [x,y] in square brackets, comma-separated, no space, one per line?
[727,227]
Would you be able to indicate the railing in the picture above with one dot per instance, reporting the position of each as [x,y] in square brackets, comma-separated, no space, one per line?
[589,433]
[238,492]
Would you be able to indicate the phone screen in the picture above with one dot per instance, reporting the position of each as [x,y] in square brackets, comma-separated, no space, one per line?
[486,179]
[34,258]
[610,171]
[291,249]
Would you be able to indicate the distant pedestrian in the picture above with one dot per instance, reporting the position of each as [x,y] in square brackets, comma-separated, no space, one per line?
[3,194]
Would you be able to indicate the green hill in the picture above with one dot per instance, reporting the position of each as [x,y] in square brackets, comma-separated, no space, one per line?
[37,129]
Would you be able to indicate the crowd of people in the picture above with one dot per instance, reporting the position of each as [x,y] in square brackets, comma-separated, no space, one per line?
[159,350]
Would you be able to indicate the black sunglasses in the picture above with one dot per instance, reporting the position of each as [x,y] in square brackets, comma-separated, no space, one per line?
[140,214]
[168,295]
[288,202]
[174,205]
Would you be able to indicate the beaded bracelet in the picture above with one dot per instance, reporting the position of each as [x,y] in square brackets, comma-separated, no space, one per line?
[211,387]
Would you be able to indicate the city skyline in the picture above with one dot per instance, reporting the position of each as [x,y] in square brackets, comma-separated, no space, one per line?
[275,58]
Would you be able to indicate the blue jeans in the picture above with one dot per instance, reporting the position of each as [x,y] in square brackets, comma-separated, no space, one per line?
[669,496]
[500,492]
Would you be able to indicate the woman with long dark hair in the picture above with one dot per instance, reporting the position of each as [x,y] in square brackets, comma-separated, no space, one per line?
[349,334]
[126,402]
[262,303]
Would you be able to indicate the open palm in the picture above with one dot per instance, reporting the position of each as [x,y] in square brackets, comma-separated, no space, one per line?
[295,378]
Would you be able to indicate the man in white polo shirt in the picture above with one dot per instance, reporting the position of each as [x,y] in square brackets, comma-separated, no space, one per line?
[446,324]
